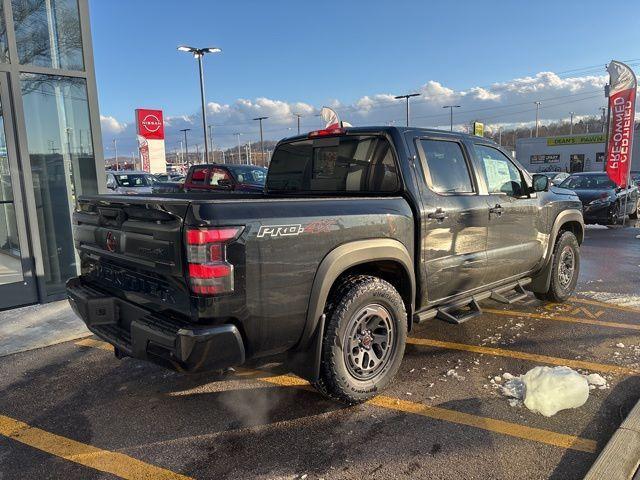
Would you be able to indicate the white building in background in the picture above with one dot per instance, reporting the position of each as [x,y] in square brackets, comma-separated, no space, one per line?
[569,153]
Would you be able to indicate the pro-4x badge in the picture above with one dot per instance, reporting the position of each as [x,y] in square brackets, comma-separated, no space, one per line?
[280,230]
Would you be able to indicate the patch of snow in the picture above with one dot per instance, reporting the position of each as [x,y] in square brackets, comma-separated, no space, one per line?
[454,374]
[547,390]
[596,227]
[614,298]
[596,380]
[620,345]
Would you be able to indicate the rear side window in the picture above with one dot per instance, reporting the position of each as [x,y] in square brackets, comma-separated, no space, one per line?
[199,175]
[446,168]
[218,174]
[336,164]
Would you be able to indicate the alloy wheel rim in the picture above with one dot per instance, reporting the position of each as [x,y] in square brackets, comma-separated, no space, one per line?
[369,342]
[567,266]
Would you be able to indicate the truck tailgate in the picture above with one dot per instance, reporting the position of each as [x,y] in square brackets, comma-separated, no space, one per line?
[132,248]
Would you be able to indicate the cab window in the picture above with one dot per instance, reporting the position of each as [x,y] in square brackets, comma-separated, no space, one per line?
[446,169]
[500,174]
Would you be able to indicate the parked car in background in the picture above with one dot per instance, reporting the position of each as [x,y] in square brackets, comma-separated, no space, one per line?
[556,178]
[635,178]
[130,182]
[602,200]
[242,178]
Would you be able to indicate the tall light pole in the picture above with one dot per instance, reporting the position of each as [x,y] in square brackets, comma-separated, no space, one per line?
[537,110]
[451,107]
[571,114]
[198,53]
[186,145]
[260,119]
[237,134]
[115,150]
[298,115]
[213,151]
[603,110]
[407,97]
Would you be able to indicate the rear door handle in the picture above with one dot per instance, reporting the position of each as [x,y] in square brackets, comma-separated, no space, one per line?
[497,210]
[438,215]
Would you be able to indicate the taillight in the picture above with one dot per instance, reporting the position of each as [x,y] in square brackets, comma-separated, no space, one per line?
[209,271]
[327,132]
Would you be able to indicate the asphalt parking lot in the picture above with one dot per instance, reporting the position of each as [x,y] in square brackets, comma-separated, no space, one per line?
[73,410]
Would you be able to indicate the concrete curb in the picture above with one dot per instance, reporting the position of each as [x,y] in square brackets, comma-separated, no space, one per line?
[621,456]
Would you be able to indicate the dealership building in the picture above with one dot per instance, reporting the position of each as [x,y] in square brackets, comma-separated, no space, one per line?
[569,153]
[50,143]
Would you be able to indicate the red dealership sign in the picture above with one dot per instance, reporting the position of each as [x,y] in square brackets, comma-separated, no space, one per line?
[622,100]
[150,124]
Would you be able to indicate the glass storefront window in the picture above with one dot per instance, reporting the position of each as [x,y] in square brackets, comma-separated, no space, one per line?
[4,48]
[48,33]
[63,167]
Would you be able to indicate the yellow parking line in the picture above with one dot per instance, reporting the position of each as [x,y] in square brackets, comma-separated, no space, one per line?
[562,318]
[484,423]
[498,426]
[93,343]
[103,460]
[532,357]
[452,416]
[604,304]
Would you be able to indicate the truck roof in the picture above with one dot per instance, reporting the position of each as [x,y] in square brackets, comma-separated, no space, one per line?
[389,129]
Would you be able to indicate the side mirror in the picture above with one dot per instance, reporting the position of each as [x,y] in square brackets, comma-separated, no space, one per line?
[224,183]
[540,183]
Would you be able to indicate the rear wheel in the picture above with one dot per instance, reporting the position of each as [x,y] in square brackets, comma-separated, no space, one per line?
[565,269]
[364,340]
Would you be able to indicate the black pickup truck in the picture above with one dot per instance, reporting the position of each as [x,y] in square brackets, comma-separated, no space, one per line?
[359,234]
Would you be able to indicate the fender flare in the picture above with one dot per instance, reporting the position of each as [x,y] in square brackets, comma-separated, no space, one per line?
[541,281]
[305,358]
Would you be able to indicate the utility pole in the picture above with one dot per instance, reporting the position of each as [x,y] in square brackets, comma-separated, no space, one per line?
[115,149]
[298,115]
[571,124]
[237,134]
[500,136]
[260,119]
[537,110]
[603,110]
[451,107]
[213,152]
[186,145]
[407,97]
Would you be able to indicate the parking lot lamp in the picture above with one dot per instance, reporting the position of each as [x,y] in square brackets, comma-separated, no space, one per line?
[198,53]
[407,97]
[451,107]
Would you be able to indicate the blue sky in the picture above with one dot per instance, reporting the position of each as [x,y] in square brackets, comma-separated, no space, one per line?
[328,52]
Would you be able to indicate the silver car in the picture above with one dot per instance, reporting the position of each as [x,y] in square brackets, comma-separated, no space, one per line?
[130,182]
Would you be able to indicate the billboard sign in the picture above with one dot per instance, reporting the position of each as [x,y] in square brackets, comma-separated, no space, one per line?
[478,129]
[150,124]
[576,140]
[150,130]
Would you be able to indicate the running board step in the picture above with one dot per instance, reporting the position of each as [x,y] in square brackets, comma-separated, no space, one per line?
[456,313]
[519,293]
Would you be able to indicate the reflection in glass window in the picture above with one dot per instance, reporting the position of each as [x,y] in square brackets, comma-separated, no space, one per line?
[62,164]
[447,170]
[10,262]
[4,48]
[48,33]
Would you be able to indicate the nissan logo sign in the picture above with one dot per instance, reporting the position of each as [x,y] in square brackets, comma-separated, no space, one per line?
[112,242]
[151,123]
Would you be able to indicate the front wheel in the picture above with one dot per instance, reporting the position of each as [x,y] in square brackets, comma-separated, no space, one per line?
[636,212]
[565,269]
[364,340]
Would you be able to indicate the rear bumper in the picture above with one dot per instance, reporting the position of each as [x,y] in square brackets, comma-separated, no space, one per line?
[139,333]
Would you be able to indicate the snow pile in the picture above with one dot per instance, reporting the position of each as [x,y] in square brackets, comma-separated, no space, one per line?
[614,298]
[548,390]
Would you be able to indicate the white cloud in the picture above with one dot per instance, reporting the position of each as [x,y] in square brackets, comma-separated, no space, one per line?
[499,104]
[111,125]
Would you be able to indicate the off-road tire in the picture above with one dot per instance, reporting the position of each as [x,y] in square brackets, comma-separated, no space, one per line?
[353,294]
[559,292]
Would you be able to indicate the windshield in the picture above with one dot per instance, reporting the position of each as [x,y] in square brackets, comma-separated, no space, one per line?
[588,182]
[133,180]
[248,174]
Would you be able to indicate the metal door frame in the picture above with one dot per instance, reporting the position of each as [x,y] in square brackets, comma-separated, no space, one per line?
[25,291]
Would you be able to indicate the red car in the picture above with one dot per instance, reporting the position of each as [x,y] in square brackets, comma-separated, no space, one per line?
[207,177]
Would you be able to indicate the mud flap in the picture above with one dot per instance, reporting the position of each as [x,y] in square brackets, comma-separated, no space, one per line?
[541,282]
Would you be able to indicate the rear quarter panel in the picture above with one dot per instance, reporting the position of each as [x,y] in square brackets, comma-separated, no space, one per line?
[284,242]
